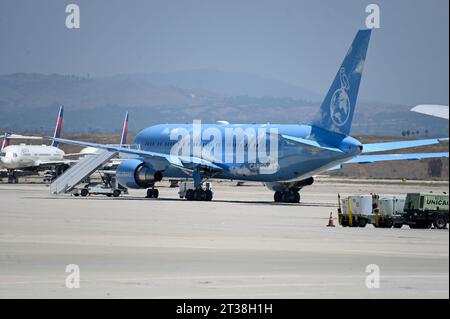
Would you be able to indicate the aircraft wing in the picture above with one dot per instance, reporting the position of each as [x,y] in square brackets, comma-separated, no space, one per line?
[186,163]
[24,137]
[52,163]
[390,146]
[432,110]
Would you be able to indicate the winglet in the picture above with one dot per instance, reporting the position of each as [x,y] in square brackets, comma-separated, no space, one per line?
[123,139]
[58,127]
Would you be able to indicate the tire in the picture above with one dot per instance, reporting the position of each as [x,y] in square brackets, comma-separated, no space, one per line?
[278,197]
[209,195]
[116,193]
[84,192]
[440,222]
[189,194]
[108,195]
[344,223]
[155,193]
[362,222]
[388,223]
[296,198]
[76,194]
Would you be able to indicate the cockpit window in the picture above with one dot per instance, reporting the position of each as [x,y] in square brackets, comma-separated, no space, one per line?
[2,154]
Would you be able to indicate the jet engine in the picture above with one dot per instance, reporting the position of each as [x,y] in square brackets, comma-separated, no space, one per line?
[134,173]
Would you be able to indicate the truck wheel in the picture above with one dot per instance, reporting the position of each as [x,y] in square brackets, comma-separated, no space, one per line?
[388,223]
[362,222]
[84,192]
[116,193]
[344,223]
[440,222]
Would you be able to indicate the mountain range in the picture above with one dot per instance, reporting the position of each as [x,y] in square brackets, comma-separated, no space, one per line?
[29,103]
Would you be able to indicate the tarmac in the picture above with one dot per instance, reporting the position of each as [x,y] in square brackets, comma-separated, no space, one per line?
[240,245]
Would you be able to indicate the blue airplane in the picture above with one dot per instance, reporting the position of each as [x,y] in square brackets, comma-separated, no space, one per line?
[299,151]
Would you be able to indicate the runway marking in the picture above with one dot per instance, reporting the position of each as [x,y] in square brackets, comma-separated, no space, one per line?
[231,277]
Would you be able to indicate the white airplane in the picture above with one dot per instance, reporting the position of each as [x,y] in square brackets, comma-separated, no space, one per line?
[88,151]
[432,110]
[32,158]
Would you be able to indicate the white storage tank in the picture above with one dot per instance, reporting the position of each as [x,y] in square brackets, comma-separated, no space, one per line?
[359,204]
[391,204]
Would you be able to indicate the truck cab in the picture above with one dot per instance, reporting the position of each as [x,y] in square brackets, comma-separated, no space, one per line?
[424,209]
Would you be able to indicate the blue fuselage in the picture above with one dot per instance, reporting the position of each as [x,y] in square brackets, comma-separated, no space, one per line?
[295,161]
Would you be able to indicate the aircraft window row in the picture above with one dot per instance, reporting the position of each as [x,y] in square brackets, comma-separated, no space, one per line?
[172,143]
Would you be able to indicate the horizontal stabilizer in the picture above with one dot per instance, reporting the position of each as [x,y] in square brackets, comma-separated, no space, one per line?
[369,159]
[390,146]
[364,159]
[310,143]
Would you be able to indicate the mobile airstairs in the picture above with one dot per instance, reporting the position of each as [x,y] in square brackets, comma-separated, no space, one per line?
[80,171]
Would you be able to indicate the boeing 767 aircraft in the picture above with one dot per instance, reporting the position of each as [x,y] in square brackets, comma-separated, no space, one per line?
[283,157]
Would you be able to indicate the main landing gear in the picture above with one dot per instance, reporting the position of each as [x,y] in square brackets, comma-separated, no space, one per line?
[289,196]
[199,194]
[197,190]
[12,178]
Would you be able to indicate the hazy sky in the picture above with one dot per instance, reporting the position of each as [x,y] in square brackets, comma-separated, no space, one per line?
[300,42]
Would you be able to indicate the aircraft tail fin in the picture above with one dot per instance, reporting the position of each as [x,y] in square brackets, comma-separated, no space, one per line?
[123,139]
[58,127]
[5,141]
[338,107]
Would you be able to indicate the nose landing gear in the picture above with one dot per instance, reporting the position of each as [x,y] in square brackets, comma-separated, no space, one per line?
[152,193]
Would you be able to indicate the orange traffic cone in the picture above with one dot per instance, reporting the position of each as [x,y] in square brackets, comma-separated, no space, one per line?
[330,220]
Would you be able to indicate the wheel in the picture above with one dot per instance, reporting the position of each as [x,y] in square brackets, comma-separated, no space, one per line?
[190,194]
[16,180]
[388,223]
[362,222]
[76,194]
[209,195]
[116,193]
[296,197]
[155,193]
[344,223]
[84,192]
[277,197]
[440,222]
[149,193]
[109,195]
